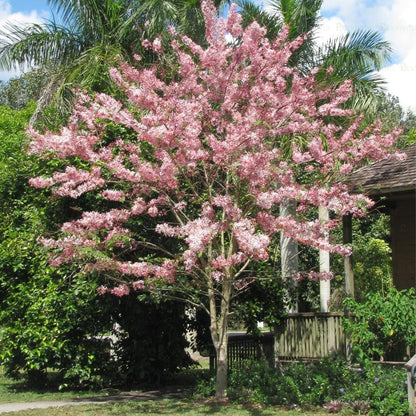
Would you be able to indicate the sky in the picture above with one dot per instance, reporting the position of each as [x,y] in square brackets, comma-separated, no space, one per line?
[395,19]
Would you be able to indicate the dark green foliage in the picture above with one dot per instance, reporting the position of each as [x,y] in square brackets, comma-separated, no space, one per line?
[383,325]
[150,337]
[51,322]
[373,390]
[301,384]
[264,300]
[372,260]
[382,389]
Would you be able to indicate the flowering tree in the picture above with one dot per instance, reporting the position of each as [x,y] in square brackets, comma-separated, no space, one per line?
[198,155]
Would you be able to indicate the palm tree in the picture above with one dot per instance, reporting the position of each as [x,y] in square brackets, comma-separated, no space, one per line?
[356,56]
[185,15]
[92,36]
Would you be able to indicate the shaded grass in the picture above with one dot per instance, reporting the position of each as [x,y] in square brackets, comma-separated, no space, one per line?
[15,391]
[19,391]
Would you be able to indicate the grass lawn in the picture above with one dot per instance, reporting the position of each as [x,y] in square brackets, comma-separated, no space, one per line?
[171,407]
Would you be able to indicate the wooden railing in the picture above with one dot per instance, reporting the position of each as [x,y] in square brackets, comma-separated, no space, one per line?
[301,336]
[310,336]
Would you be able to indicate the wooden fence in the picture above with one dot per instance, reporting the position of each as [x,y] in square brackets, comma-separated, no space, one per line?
[301,336]
[242,347]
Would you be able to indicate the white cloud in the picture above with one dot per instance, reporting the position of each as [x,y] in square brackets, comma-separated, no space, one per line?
[7,17]
[363,14]
[5,9]
[343,8]
[400,27]
[400,31]
[401,80]
[330,28]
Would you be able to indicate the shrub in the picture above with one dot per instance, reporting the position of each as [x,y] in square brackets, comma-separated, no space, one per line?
[382,389]
[383,325]
[375,390]
[259,382]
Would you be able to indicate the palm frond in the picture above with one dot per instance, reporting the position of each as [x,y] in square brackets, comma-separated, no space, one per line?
[75,12]
[359,47]
[36,45]
[252,12]
[356,56]
[300,15]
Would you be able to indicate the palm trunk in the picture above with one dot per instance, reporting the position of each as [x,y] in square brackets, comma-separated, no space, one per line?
[289,256]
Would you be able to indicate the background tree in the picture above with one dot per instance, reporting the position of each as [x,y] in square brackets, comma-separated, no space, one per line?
[54,319]
[18,92]
[200,159]
[78,51]
[46,316]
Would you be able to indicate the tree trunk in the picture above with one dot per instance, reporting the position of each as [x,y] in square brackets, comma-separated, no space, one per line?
[289,267]
[218,328]
[348,260]
[45,98]
[222,371]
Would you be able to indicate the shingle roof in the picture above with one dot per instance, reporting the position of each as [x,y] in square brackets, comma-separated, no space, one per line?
[386,176]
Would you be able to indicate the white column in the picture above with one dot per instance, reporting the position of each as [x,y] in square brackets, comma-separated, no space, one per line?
[324,266]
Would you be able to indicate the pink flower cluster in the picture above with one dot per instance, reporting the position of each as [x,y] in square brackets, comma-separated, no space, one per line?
[314,276]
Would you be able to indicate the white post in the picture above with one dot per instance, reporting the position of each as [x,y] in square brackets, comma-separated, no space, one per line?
[324,266]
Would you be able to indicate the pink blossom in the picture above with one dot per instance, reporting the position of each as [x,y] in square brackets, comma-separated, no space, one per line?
[138,285]
[314,276]
[121,290]
[217,275]
[40,182]
[157,45]
[102,290]
[147,44]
